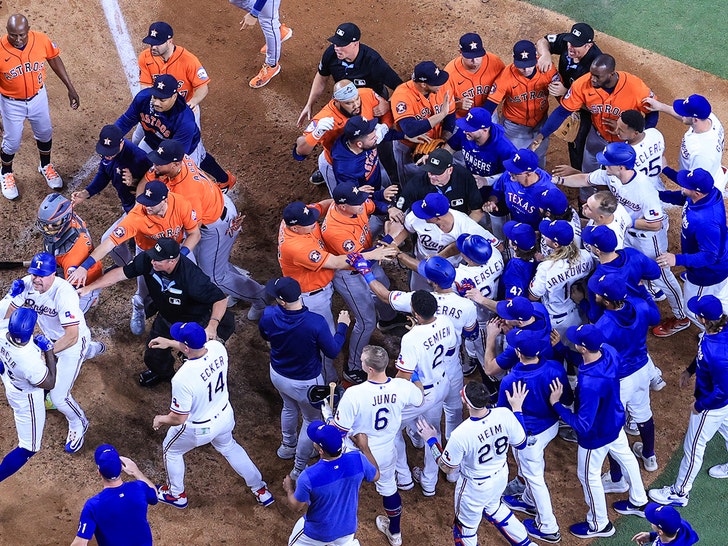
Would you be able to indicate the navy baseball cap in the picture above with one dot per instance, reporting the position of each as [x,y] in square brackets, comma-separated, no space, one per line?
[165,248]
[285,288]
[600,237]
[167,152]
[553,200]
[358,126]
[428,72]
[164,86]
[709,307]
[327,436]
[524,54]
[617,154]
[586,335]
[559,231]
[580,34]
[612,287]
[476,119]
[695,106]
[108,461]
[530,343]
[159,33]
[109,142]
[471,46]
[432,206]
[523,235]
[524,161]
[190,333]
[345,34]
[437,270]
[438,161]
[698,180]
[154,193]
[348,193]
[299,214]
[518,308]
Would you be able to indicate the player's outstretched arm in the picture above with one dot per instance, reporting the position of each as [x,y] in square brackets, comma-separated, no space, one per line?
[317,88]
[56,63]
[131,468]
[108,279]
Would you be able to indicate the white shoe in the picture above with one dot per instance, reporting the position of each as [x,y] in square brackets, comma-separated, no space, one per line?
[74,440]
[286,452]
[631,428]
[95,349]
[614,487]
[137,323]
[650,463]
[667,496]
[10,189]
[719,471]
[657,383]
[52,178]
[383,526]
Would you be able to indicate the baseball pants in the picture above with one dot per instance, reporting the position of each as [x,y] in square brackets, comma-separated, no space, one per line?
[719,290]
[701,429]
[386,459]
[406,169]
[217,431]
[453,405]
[634,392]
[521,136]
[15,112]
[299,538]
[29,414]
[295,403]
[561,321]
[594,144]
[589,471]
[67,370]
[319,302]
[365,307]
[532,467]
[270,25]
[327,171]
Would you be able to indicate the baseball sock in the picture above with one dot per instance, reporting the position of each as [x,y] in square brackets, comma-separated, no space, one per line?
[210,165]
[44,149]
[7,160]
[13,461]
[393,508]
[647,433]
[615,471]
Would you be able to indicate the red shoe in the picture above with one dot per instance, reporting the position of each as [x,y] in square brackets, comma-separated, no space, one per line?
[286,33]
[264,76]
[671,326]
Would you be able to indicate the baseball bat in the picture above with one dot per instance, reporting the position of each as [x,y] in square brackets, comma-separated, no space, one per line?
[332,388]
[13,265]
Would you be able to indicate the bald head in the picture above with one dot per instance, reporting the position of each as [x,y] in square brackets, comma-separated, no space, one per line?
[18,28]
[17,22]
[605,62]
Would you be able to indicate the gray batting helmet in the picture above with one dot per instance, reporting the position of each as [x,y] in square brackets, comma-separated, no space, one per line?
[43,264]
[54,216]
[21,325]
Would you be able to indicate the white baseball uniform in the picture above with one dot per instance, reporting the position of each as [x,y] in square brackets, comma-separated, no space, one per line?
[621,220]
[649,160]
[376,409]
[200,391]
[479,447]
[705,151]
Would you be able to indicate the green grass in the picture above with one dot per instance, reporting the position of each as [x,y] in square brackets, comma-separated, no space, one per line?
[687,32]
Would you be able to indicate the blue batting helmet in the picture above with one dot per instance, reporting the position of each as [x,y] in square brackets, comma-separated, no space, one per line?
[617,154]
[43,264]
[475,248]
[21,325]
[437,270]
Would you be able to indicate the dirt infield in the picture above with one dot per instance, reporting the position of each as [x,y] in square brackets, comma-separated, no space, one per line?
[251,132]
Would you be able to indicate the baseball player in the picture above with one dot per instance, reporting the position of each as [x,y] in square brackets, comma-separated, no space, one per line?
[702,144]
[61,320]
[23,95]
[541,423]
[603,209]
[648,144]
[328,125]
[524,92]
[26,369]
[478,448]
[375,408]
[709,412]
[472,74]
[554,205]
[598,418]
[201,413]
[648,233]
[667,528]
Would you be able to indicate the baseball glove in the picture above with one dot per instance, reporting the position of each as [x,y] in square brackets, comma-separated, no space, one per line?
[318,394]
[569,128]
[424,148]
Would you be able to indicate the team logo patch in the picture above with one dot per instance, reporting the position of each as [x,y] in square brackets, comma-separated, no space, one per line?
[202,73]
[349,245]
[69,315]
[314,256]
[194,216]
[401,107]
[175,403]
[119,232]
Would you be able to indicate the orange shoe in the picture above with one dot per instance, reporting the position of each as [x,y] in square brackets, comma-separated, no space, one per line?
[264,76]
[286,34]
[225,186]
[670,326]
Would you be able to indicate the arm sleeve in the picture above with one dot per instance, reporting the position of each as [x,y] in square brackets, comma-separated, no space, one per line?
[583,421]
[651,119]
[413,127]
[130,118]
[490,106]
[331,345]
[448,124]
[555,120]
[718,394]
[672,197]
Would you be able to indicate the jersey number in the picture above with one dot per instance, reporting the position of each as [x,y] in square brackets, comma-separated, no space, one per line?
[501,445]
[380,419]
[219,386]
[439,350]
[654,168]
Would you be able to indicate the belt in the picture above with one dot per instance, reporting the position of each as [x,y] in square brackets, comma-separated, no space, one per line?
[24,100]
[313,292]
[208,420]
[562,315]
[224,214]
[433,384]
[637,234]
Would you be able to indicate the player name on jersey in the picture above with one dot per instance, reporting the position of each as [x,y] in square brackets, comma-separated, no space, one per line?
[438,336]
[574,271]
[212,367]
[490,432]
[382,399]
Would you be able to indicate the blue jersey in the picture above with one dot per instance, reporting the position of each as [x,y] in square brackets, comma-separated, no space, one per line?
[331,488]
[178,122]
[110,170]
[598,415]
[522,202]
[118,515]
[538,414]
[297,339]
[485,160]
[507,359]
[711,374]
[517,276]
[359,169]
[685,536]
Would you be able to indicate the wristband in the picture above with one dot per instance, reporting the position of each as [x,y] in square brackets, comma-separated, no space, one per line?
[369,277]
[388,239]
[88,263]
[435,447]
[415,376]
[296,155]
[184,251]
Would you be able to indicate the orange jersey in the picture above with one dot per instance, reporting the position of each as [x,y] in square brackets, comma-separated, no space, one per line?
[343,233]
[475,85]
[23,72]
[146,229]
[526,99]
[408,102]
[203,194]
[627,95]
[369,101]
[183,65]
[73,249]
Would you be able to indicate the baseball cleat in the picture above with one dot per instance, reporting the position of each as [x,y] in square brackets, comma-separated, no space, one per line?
[286,452]
[165,495]
[264,497]
[74,440]
[670,326]
[225,186]
[286,34]
[650,463]
[668,496]
[254,313]
[517,504]
[264,76]
[657,383]
[533,530]
[631,428]
[10,189]
[150,379]
[471,366]
[406,486]
[355,377]
[395,539]
[614,487]
[626,508]
[568,434]
[295,473]
[137,323]
[719,471]
[515,487]
[417,477]
[316,178]
[52,178]
[582,530]
[95,348]
[399,321]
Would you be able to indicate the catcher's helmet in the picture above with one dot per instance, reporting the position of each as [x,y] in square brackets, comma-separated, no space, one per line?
[437,270]
[43,264]
[21,325]
[617,154]
[475,248]
[54,216]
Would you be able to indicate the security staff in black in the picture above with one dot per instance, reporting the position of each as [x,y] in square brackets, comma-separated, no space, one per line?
[576,50]
[180,292]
